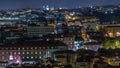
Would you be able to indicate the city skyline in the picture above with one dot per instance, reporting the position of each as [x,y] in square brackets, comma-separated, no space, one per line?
[17,4]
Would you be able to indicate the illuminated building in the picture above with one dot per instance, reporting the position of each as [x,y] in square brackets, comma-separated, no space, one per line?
[29,51]
[92,46]
[78,42]
[74,23]
[7,23]
[66,39]
[112,30]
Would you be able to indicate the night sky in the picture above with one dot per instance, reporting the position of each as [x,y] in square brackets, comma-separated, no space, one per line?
[13,4]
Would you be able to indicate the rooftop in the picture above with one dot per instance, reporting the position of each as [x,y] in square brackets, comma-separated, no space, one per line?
[32,43]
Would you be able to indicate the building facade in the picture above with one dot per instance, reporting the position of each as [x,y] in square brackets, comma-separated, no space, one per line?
[29,52]
[34,30]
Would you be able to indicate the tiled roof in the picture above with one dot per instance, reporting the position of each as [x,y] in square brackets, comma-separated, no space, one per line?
[33,43]
[64,51]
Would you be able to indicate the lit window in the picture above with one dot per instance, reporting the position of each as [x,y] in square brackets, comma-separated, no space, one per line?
[40,57]
[39,52]
[14,52]
[19,53]
[27,52]
[23,48]
[11,57]
[3,53]
[27,48]
[18,48]
[23,53]
[23,57]
[31,48]
[35,52]
[48,52]
[27,57]
[31,57]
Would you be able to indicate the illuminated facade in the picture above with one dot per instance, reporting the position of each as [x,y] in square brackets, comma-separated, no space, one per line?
[28,52]
[112,30]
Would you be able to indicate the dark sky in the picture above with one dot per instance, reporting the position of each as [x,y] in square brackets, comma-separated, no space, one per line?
[13,4]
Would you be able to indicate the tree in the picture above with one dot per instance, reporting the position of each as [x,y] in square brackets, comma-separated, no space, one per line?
[111,43]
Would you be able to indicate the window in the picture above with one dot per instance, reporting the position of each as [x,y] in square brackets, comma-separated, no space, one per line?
[35,47]
[31,48]
[31,57]
[23,53]
[27,57]
[40,57]
[35,52]
[14,52]
[48,52]
[23,48]
[27,52]
[11,57]
[6,52]
[40,52]
[23,57]
[18,48]
[19,53]
[3,53]
[2,57]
